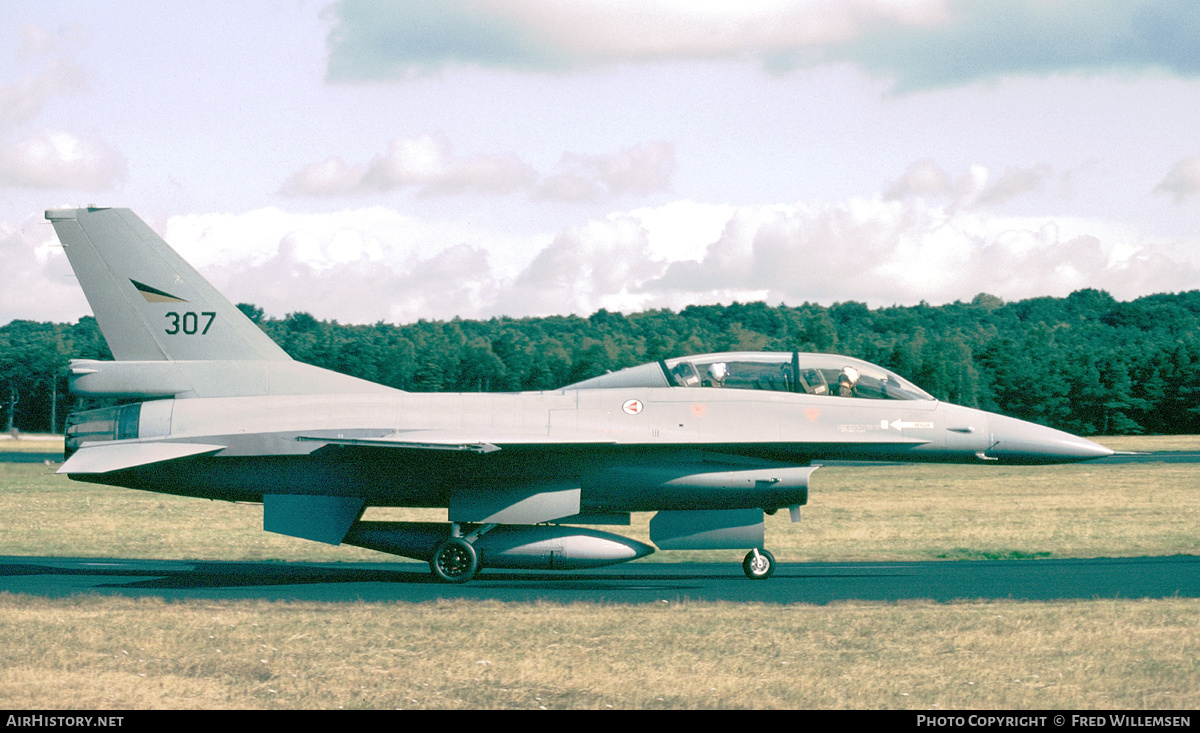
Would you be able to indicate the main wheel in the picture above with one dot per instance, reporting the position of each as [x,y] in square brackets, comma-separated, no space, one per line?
[759,564]
[454,561]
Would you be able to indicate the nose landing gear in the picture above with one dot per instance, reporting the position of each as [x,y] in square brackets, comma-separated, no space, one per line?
[759,564]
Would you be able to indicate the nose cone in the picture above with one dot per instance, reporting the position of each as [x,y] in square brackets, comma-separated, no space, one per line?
[1017,441]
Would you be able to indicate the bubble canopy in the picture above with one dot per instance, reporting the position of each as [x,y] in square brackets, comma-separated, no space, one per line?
[797,372]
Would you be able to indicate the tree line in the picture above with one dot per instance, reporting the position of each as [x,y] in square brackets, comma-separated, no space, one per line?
[1086,363]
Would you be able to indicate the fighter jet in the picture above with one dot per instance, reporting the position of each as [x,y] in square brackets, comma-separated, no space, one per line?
[215,409]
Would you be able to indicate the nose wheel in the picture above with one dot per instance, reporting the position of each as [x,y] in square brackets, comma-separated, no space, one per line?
[454,560]
[759,564]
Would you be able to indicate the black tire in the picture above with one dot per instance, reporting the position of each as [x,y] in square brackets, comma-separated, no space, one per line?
[454,561]
[759,567]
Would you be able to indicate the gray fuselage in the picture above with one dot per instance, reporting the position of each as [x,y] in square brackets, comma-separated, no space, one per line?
[622,459]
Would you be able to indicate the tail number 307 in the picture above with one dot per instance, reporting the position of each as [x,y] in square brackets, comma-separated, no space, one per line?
[190,323]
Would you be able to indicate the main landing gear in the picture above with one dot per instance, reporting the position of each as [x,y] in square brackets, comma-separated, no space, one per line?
[759,564]
[455,559]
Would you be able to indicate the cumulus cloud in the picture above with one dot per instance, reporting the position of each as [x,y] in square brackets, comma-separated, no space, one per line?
[592,266]
[427,165]
[35,41]
[919,43]
[1183,180]
[57,159]
[374,264]
[356,266]
[330,177]
[21,100]
[924,179]
[51,158]
[904,251]
[368,265]
[457,279]
[55,75]
[639,170]
[1015,182]
[36,283]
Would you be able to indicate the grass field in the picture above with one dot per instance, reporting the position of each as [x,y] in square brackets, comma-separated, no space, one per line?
[35,443]
[105,653]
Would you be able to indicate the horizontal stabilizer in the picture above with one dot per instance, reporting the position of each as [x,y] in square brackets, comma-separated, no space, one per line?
[108,457]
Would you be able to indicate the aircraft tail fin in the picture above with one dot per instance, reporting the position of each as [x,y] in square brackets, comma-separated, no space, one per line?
[150,304]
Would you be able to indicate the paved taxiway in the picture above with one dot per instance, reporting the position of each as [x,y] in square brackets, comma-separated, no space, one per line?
[1143,577]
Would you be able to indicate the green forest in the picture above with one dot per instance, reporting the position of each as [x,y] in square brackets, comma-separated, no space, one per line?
[1086,363]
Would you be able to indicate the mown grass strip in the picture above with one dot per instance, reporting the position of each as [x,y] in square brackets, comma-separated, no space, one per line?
[99,653]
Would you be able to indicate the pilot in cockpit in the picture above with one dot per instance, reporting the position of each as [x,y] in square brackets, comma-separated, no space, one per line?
[716,374]
[847,381]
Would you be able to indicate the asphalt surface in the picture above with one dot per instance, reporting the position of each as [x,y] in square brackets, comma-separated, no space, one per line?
[818,583]
[29,457]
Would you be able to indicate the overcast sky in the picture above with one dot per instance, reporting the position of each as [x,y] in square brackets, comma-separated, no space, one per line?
[365,160]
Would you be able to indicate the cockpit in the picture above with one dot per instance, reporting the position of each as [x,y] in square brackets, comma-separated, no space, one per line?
[815,374]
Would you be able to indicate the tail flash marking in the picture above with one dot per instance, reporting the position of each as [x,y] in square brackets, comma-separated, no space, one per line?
[154,295]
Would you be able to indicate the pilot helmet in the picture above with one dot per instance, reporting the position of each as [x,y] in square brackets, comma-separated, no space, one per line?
[850,375]
[718,371]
